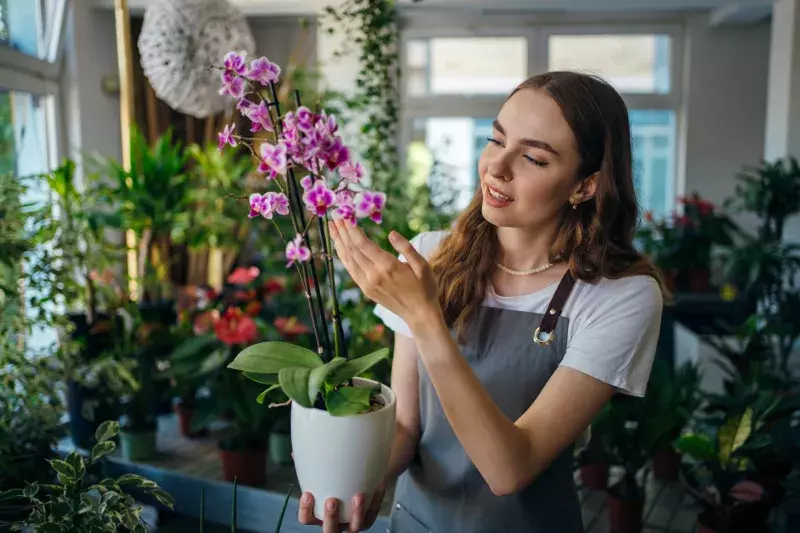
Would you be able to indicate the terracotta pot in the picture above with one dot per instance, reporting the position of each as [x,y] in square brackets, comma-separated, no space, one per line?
[699,280]
[595,476]
[666,464]
[185,414]
[249,467]
[625,516]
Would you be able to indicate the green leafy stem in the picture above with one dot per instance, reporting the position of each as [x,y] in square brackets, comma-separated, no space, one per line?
[303,376]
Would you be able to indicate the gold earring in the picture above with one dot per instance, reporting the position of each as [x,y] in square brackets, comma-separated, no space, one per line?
[574,201]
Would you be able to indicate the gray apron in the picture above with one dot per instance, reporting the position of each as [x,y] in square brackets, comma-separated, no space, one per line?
[442,491]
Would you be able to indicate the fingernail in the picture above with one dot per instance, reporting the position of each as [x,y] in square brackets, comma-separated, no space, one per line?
[330,505]
[358,501]
[305,499]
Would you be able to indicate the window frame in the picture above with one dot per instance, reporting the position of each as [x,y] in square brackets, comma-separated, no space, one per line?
[538,33]
[21,72]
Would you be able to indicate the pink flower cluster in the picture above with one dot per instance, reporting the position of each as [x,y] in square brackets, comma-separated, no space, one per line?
[268,204]
[303,139]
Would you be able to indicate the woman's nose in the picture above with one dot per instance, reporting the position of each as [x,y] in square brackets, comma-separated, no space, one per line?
[499,167]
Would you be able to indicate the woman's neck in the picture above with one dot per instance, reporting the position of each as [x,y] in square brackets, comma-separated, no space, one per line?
[523,249]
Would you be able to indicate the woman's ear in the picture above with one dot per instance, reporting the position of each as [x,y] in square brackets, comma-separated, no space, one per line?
[586,188]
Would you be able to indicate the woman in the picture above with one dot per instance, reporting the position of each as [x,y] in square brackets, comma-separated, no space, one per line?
[515,328]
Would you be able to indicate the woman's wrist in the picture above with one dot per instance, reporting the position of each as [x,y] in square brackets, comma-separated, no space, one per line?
[427,322]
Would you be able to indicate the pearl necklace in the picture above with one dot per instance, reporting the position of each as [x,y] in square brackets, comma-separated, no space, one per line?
[524,272]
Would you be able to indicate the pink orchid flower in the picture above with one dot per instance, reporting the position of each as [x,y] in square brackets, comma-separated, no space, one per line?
[263,71]
[370,204]
[273,159]
[319,198]
[259,115]
[297,251]
[226,137]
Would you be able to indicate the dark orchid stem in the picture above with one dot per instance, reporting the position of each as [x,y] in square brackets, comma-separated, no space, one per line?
[295,195]
[338,331]
[233,507]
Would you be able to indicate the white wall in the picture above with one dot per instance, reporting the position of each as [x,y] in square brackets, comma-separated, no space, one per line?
[725,94]
[91,116]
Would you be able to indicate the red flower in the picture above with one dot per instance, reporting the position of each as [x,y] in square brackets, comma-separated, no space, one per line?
[290,328]
[243,276]
[273,286]
[376,333]
[235,327]
[648,216]
[244,296]
[705,208]
[205,321]
[253,308]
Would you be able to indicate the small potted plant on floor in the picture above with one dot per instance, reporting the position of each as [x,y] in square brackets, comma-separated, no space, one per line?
[280,441]
[676,396]
[329,402]
[634,431]
[78,504]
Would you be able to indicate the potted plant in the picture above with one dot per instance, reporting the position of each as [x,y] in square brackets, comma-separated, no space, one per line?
[328,401]
[280,441]
[78,503]
[675,395]
[727,474]
[634,431]
[592,459]
[30,411]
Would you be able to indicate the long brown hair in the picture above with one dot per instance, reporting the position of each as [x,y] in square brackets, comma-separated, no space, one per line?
[596,238]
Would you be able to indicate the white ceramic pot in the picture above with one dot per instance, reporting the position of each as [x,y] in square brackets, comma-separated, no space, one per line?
[339,457]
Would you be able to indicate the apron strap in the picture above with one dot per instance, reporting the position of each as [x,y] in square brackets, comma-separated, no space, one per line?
[545,333]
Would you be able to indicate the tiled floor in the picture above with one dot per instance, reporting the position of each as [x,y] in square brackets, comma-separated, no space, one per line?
[668,508]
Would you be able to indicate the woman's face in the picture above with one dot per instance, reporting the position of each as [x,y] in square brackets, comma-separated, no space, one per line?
[529,167]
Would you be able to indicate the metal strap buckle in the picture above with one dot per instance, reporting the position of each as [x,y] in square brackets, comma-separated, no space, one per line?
[537,337]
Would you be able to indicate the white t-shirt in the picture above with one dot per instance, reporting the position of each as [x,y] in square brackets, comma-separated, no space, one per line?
[613,324]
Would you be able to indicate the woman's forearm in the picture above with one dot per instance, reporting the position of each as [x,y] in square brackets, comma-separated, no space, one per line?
[499,449]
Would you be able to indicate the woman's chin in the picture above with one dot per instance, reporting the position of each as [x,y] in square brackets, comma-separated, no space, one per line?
[497,217]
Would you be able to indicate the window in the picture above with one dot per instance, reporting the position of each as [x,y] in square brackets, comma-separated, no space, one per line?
[456,82]
[31,26]
[631,63]
[465,65]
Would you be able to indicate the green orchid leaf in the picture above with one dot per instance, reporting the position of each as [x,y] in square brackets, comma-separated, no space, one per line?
[294,382]
[347,401]
[102,448]
[272,357]
[356,367]
[734,433]
[261,397]
[318,375]
[212,362]
[264,379]
[107,430]
[697,446]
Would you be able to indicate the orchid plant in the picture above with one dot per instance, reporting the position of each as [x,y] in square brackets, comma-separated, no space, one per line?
[301,143]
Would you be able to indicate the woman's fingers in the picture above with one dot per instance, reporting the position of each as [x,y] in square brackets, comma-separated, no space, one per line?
[306,513]
[357,520]
[330,524]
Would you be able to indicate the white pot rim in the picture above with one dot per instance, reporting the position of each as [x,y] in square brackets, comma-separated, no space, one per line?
[386,392]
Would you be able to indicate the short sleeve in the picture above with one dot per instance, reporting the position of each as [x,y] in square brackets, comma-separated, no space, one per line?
[619,343]
[424,243]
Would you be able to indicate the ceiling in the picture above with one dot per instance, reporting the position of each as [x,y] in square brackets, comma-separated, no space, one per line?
[721,11]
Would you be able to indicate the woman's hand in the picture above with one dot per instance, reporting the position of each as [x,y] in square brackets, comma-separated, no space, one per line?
[363,518]
[407,289]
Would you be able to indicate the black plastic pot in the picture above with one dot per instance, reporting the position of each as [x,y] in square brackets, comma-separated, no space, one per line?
[81,428]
